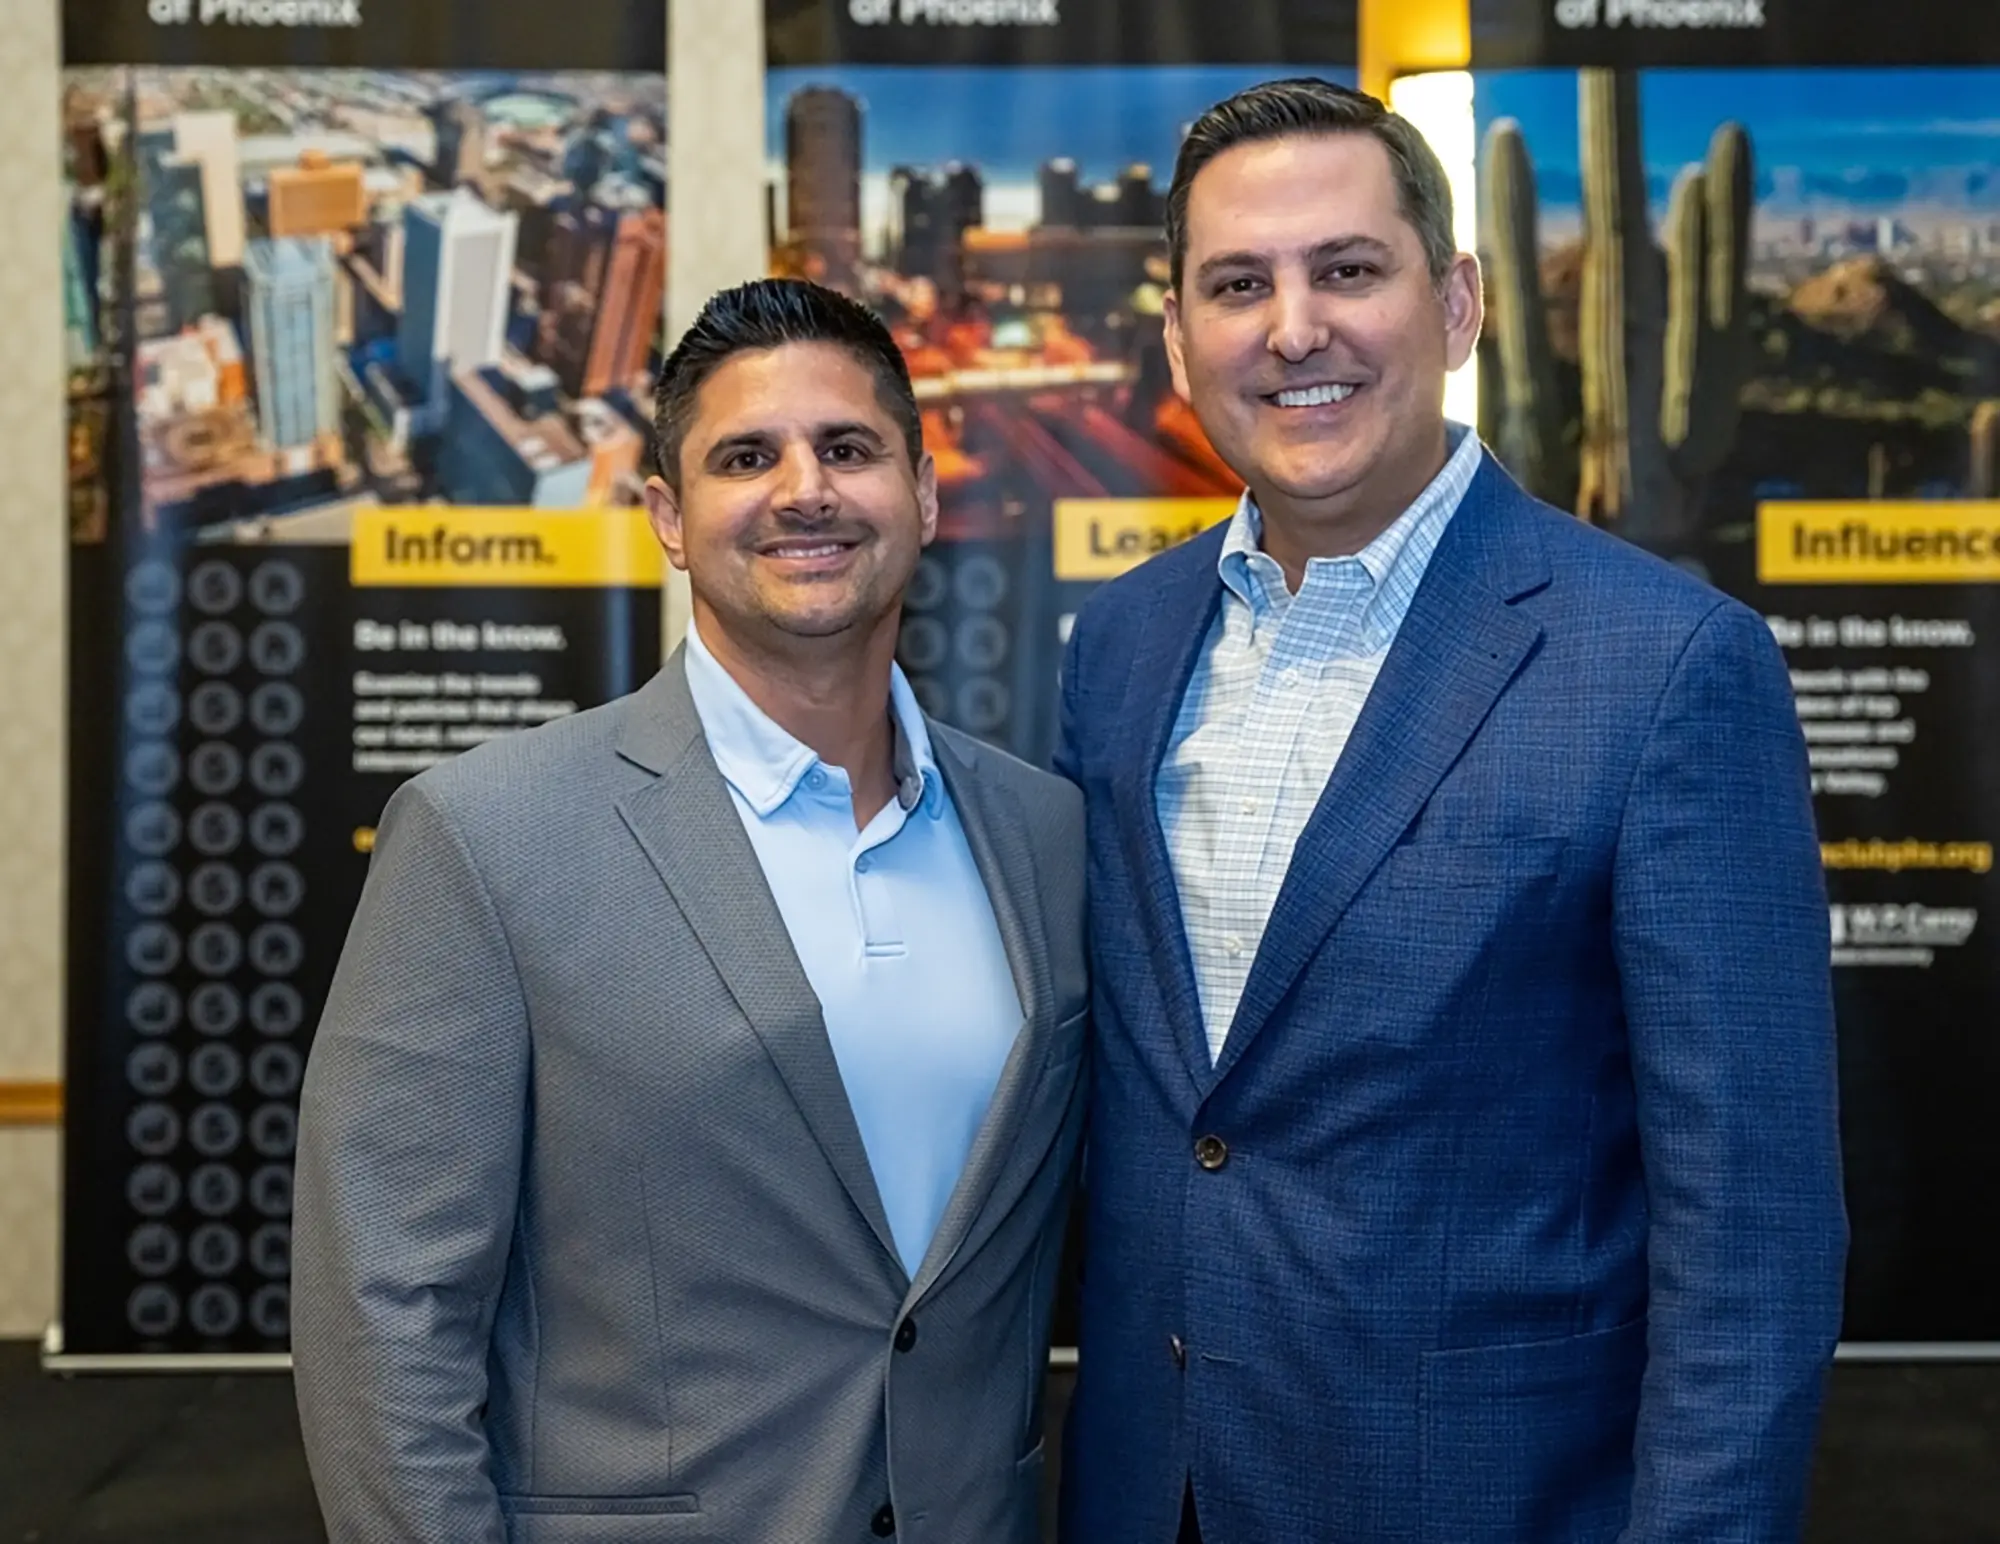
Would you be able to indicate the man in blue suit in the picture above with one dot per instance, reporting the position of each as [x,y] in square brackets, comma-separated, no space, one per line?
[1463,1160]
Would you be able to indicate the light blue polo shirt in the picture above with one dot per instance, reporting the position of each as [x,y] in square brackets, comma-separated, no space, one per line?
[896,934]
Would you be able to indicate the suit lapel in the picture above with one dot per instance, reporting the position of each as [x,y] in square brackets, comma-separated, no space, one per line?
[996,831]
[1460,645]
[689,828]
[1163,661]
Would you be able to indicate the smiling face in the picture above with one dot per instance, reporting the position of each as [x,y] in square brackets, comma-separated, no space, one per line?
[1308,335]
[799,515]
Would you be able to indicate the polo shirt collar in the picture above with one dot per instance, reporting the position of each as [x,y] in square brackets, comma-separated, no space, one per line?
[765,763]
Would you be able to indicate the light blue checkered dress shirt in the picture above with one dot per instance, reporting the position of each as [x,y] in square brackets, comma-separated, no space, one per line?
[1281,680]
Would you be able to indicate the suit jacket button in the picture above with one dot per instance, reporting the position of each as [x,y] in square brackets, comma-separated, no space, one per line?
[906,1334]
[1211,1152]
[883,1523]
[1179,1349]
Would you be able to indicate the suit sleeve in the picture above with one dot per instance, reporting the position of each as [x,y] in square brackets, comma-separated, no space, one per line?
[408,1174]
[1720,927]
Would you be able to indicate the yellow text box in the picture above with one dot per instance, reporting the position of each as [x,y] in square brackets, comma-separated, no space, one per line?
[414,546]
[1103,538]
[1879,543]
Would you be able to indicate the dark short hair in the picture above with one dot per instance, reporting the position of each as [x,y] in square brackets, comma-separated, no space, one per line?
[1279,109]
[766,314]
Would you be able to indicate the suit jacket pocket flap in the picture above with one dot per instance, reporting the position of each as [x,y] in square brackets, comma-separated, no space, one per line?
[600,1506]
[1440,863]
[1531,1440]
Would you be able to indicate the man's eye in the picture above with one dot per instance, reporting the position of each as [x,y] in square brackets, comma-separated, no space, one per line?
[848,452]
[1241,286]
[1347,273]
[741,461]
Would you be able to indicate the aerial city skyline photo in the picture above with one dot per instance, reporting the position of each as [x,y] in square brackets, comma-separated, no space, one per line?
[1007,223]
[356,287]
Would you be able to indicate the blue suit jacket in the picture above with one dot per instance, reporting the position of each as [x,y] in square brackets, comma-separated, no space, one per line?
[1530,1227]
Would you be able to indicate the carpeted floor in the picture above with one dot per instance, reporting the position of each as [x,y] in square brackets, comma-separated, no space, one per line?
[1911,1455]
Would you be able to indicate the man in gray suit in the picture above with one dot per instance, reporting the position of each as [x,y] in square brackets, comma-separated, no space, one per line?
[689,1136]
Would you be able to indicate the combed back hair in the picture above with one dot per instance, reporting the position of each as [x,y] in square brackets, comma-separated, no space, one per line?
[1280,109]
[766,314]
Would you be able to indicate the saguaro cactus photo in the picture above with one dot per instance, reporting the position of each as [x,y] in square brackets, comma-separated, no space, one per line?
[1663,336]
[1702,299]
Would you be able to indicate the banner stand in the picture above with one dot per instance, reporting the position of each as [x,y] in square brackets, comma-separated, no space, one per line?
[1809,381]
[1917,1351]
[57,1361]
[362,325]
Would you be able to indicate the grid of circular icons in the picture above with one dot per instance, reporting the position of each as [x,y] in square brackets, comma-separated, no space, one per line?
[210,885]
[956,641]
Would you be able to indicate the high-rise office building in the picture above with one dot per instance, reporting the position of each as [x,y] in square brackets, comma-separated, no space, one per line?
[630,303]
[458,261]
[823,164]
[504,444]
[574,263]
[913,232]
[1138,204]
[209,138]
[1062,194]
[79,304]
[178,211]
[964,192]
[537,198]
[934,213]
[590,153]
[601,303]
[318,197]
[289,287]
[460,130]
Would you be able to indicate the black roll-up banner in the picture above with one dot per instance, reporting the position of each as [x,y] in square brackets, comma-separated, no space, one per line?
[363,306]
[990,176]
[1798,397]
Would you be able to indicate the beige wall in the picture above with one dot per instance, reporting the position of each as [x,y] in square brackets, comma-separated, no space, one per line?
[716,145]
[32,549]
[716,176]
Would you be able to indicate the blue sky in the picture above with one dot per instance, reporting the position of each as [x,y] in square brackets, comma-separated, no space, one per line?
[1867,138]
[1009,121]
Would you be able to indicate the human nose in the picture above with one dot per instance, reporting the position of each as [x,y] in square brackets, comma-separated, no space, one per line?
[804,486]
[1299,327]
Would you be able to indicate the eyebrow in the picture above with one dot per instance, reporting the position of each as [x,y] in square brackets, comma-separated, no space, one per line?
[841,431]
[751,439]
[1339,246]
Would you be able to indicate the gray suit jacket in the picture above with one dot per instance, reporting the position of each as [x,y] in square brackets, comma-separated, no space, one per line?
[587,1249]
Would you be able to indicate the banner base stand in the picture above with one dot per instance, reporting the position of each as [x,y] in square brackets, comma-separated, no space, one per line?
[1061,1358]
[56,1360]
[1917,1351]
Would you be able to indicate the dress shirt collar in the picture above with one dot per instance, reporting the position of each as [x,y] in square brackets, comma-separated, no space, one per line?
[765,764]
[1401,552]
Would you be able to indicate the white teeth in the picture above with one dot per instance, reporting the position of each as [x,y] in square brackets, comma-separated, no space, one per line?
[825,549]
[1316,396]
